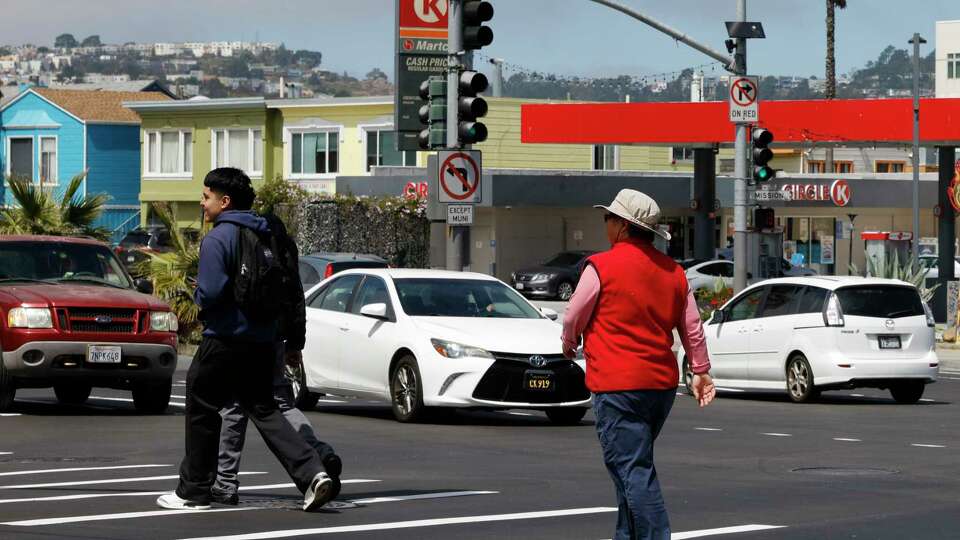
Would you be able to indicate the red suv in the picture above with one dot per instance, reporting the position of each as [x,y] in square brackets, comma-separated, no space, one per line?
[72,318]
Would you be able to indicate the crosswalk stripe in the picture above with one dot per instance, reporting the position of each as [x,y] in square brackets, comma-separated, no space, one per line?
[75,469]
[80,496]
[4,415]
[411,524]
[441,495]
[110,481]
[125,515]
[723,530]
[128,400]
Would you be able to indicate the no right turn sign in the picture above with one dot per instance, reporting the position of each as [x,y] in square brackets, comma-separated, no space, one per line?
[744,95]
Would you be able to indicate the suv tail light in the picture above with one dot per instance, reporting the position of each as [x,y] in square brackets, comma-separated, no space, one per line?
[329,271]
[832,314]
[930,321]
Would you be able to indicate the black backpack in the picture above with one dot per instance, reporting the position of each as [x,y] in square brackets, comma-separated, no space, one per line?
[263,274]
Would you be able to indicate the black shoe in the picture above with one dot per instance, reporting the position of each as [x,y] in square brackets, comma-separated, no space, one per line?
[334,467]
[223,497]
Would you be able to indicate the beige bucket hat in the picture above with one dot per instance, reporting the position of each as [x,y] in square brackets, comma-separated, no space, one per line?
[638,209]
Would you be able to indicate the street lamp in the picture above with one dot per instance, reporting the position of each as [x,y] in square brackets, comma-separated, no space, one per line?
[852,217]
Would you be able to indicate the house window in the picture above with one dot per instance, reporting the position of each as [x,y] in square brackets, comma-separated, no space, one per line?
[315,152]
[815,167]
[682,153]
[169,153]
[953,66]
[48,160]
[890,166]
[20,164]
[838,166]
[239,148]
[382,150]
[605,157]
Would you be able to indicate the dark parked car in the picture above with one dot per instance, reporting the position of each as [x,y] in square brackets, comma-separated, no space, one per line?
[137,245]
[555,278]
[316,267]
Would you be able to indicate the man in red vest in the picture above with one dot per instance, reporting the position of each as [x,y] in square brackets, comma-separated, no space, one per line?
[626,306]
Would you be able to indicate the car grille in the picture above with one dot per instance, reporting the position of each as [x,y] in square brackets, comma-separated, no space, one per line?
[503,381]
[524,277]
[101,320]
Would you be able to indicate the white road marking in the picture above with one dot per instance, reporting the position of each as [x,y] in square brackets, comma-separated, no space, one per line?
[856,395]
[128,400]
[520,413]
[411,524]
[178,397]
[75,469]
[110,481]
[842,439]
[331,401]
[707,429]
[125,515]
[925,400]
[722,389]
[777,434]
[928,445]
[152,493]
[951,378]
[723,530]
[6,453]
[178,384]
[441,495]
[182,382]
[9,414]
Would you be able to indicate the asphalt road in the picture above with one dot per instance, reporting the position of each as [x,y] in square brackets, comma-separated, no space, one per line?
[855,465]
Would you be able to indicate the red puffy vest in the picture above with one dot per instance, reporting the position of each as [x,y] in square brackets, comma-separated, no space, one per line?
[628,342]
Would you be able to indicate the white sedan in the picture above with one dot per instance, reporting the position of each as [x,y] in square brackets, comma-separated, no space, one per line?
[427,338]
[704,275]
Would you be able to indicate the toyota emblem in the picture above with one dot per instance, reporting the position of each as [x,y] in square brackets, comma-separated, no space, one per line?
[889,323]
[537,361]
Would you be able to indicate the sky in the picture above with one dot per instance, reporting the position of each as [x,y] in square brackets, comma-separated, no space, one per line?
[562,37]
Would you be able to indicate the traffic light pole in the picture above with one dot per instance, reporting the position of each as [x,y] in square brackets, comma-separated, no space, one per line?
[456,236]
[740,173]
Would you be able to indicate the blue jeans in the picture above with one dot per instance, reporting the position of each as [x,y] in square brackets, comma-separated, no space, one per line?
[628,424]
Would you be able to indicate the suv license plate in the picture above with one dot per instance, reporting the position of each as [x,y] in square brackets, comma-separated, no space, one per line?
[890,342]
[103,354]
[539,381]
[519,286]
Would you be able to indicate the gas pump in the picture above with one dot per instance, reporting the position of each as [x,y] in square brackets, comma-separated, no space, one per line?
[882,246]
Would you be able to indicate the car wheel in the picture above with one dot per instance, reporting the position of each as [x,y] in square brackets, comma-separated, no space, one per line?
[8,390]
[687,378]
[800,380]
[303,398]
[152,397]
[566,416]
[72,394]
[406,391]
[907,391]
[565,290]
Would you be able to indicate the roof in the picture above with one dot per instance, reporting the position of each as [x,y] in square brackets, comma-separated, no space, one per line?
[343,256]
[59,239]
[140,85]
[155,105]
[98,105]
[415,273]
[328,101]
[831,282]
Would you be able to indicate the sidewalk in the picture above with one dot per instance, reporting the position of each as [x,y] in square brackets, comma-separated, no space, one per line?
[949,355]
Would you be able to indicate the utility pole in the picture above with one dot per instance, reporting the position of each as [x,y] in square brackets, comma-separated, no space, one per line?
[740,173]
[916,41]
[456,235]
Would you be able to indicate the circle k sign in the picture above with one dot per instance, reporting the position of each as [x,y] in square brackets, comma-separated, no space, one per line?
[840,193]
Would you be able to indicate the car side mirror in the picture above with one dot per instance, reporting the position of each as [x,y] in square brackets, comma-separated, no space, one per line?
[375,311]
[717,317]
[143,285]
[550,314]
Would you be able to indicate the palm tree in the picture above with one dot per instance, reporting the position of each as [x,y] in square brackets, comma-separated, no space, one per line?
[831,89]
[174,274]
[36,211]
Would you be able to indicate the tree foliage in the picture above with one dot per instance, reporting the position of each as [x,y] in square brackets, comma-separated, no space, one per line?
[91,41]
[66,41]
[36,211]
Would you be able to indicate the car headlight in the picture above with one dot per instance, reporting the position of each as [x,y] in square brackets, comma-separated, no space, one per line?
[513,276]
[29,317]
[449,349]
[542,277]
[163,321]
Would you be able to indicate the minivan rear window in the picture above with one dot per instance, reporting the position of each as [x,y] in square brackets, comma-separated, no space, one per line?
[886,301]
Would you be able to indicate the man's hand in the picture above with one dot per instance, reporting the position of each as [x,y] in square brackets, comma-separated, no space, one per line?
[569,353]
[293,358]
[703,389]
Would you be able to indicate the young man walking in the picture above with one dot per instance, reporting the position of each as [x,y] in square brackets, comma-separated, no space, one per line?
[236,359]
[626,306]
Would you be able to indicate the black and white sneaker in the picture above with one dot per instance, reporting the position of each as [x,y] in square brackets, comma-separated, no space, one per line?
[224,497]
[318,493]
[172,501]
[334,466]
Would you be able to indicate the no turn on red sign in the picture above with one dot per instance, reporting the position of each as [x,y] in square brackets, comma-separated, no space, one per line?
[744,95]
[458,176]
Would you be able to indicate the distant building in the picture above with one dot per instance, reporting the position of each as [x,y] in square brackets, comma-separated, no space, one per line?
[948,59]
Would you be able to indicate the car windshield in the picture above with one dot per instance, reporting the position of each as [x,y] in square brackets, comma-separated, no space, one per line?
[565,259]
[52,261]
[886,301]
[424,297]
[135,238]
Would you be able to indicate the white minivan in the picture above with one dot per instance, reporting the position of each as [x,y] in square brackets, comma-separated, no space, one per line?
[809,334]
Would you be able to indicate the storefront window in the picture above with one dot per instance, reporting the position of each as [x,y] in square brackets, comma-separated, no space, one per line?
[809,242]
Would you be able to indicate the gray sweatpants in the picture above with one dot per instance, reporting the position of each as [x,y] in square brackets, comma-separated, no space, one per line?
[234,430]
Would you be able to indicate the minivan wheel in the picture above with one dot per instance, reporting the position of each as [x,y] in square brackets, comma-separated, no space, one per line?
[565,290]
[303,398]
[152,397]
[800,380]
[8,389]
[71,393]
[406,391]
[907,391]
[687,378]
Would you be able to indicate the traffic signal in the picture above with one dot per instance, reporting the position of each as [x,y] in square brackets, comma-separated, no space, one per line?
[764,218]
[470,107]
[433,113]
[762,155]
[475,35]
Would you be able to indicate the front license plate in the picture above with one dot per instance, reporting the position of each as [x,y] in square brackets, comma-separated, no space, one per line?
[519,286]
[130,259]
[539,381]
[103,354]
[890,342]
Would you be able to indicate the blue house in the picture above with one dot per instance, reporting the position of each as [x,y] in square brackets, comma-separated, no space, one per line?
[50,135]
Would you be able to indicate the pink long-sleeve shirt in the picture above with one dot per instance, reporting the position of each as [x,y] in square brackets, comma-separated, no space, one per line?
[584,301]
